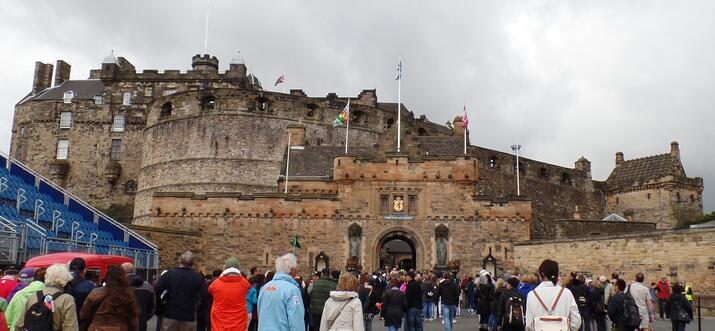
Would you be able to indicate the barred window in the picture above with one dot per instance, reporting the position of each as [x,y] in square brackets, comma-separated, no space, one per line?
[65,120]
[116,152]
[63,148]
[68,96]
[127,98]
[98,100]
[169,92]
[118,123]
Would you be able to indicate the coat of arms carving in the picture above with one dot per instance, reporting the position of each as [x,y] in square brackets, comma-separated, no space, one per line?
[398,204]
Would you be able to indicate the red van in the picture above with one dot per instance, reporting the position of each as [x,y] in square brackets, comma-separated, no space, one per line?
[96,264]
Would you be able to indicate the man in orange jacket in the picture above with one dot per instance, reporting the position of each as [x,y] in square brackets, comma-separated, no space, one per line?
[229,291]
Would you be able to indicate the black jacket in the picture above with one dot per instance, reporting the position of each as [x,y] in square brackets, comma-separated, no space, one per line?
[501,304]
[186,289]
[448,291]
[596,303]
[484,298]
[678,303]
[414,294]
[616,310]
[368,305]
[496,300]
[580,293]
[145,298]
[428,288]
[394,306]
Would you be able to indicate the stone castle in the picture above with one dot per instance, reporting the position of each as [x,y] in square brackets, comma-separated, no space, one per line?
[197,160]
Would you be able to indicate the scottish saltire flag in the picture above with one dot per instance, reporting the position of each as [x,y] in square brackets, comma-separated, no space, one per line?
[465,119]
[399,71]
[343,117]
[280,80]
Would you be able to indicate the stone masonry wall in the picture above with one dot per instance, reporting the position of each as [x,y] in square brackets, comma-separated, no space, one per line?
[677,254]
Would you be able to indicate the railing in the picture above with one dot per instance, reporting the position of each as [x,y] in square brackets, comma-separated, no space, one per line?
[9,241]
[126,230]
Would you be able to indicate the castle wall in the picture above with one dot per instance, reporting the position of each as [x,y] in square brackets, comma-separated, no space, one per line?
[677,254]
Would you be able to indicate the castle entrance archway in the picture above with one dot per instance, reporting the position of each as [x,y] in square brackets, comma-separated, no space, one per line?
[397,247]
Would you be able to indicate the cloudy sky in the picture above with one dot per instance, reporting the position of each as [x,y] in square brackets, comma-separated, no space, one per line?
[565,78]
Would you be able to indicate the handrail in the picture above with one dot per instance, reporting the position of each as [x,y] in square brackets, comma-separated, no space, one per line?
[80,201]
[6,224]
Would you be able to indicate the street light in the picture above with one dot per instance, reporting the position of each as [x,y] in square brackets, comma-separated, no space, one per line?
[516,149]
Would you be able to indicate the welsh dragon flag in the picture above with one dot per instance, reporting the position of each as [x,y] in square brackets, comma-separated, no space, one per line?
[343,117]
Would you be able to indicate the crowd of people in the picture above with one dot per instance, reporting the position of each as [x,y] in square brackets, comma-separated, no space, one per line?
[60,297]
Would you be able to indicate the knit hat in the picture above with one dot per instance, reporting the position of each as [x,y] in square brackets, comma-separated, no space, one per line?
[231,262]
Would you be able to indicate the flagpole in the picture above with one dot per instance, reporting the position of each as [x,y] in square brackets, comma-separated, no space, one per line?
[206,29]
[464,126]
[399,103]
[347,127]
[287,164]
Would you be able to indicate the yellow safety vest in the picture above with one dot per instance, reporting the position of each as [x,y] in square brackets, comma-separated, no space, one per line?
[688,296]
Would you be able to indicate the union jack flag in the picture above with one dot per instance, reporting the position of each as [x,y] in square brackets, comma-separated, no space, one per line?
[280,80]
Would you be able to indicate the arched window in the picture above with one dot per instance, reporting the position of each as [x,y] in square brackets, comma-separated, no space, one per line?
[208,103]
[421,132]
[390,122]
[544,173]
[166,109]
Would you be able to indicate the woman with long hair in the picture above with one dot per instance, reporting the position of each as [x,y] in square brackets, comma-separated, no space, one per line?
[113,305]
[549,303]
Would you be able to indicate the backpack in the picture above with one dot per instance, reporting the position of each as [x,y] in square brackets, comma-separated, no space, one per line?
[515,313]
[550,322]
[631,315]
[39,316]
[597,301]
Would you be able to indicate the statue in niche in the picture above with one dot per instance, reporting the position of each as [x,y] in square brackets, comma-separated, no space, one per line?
[442,251]
[355,237]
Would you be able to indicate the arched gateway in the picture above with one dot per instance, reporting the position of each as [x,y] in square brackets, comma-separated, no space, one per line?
[397,246]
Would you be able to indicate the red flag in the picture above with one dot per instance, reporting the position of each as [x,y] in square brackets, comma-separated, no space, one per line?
[280,80]
[465,119]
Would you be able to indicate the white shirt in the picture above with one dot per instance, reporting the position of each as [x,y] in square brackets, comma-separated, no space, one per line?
[641,294]
[566,306]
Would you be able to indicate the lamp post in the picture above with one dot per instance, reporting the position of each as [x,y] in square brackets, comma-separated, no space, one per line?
[516,149]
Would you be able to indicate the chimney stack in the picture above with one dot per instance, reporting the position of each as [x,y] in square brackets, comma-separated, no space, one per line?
[62,72]
[674,149]
[458,126]
[619,158]
[43,77]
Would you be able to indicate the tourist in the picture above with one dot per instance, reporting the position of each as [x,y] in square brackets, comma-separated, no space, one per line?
[663,294]
[17,303]
[279,303]
[343,309]
[394,306]
[144,293]
[8,282]
[484,299]
[181,289]
[448,294]
[64,314]
[26,276]
[428,295]
[553,295]
[229,311]
[580,292]
[679,309]
[469,294]
[79,287]
[511,307]
[610,287]
[113,305]
[413,294]
[256,283]
[494,306]
[617,306]
[527,284]
[641,295]
[203,316]
[688,291]
[597,304]
[366,298]
[319,294]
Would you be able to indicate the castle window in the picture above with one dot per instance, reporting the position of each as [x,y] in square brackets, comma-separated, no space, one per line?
[116,152]
[168,92]
[493,162]
[543,173]
[565,178]
[384,204]
[166,110]
[130,187]
[68,96]
[63,148]
[118,123]
[98,100]
[311,109]
[390,122]
[421,132]
[262,103]
[208,103]
[648,196]
[677,196]
[127,98]
[65,120]
[412,204]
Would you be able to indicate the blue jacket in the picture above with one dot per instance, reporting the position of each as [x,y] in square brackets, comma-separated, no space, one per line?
[280,305]
[251,299]
[525,288]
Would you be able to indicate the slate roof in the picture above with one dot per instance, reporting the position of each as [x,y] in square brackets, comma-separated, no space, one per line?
[83,89]
[644,169]
[318,160]
[442,145]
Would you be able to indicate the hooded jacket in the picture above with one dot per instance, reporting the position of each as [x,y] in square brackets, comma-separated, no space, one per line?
[320,293]
[280,306]
[17,304]
[145,298]
[342,311]
[229,310]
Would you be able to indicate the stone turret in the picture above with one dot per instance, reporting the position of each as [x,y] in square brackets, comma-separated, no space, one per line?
[205,63]
[458,126]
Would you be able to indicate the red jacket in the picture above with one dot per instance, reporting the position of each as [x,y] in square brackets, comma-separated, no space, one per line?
[663,290]
[7,283]
[229,310]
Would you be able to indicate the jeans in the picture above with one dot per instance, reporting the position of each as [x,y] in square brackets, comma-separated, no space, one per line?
[678,326]
[368,325]
[492,322]
[585,318]
[448,314]
[661,308]
[600,322]
[427,309]
[392,328]
[413,320]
